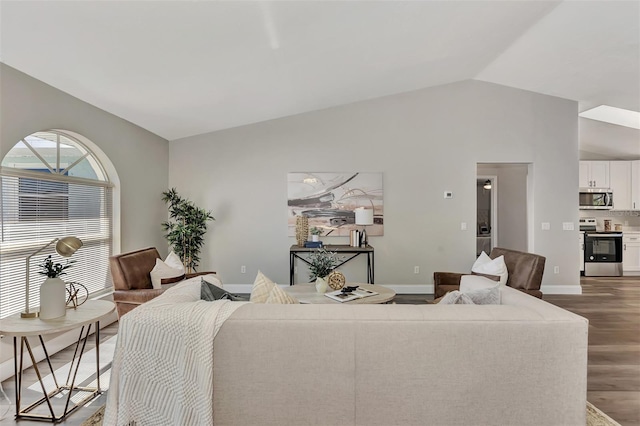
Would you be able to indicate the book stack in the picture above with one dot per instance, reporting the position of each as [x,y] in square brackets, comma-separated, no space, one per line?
[313,244]
[355,238]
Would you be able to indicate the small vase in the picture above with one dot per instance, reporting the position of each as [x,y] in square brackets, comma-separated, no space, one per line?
[315,238]
[321,285]
[53,298]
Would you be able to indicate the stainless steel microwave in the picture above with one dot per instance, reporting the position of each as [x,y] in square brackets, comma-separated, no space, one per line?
[596,199]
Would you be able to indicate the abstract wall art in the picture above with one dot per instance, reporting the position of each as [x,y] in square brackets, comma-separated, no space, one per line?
[328,200]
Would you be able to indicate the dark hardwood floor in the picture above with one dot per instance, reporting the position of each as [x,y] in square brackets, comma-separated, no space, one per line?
[612,306]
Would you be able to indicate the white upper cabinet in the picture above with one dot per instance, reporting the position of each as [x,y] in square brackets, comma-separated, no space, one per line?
[594,174]
[635,185]
[620,183]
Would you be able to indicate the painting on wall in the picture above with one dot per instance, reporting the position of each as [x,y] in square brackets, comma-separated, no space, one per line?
[329,201]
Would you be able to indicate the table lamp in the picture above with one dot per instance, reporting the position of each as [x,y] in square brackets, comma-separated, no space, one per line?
[65,247]
[364,217]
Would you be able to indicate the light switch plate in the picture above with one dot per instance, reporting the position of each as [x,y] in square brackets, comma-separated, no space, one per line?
[567,226]
[546,226]
[448,194]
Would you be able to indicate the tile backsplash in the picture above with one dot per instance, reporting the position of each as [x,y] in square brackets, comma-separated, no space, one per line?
[630,220]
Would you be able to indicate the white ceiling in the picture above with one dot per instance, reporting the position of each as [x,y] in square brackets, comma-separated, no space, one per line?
[180,68]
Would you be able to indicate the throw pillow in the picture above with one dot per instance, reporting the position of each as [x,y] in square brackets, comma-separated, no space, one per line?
[279,296]
[164,274]
[485,296]
[485,265]
[211,292]
[173,261]
[455,298]
[266,291]
[261,288]
[475,282]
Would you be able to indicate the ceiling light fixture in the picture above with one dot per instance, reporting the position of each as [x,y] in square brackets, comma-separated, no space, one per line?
[487,184]
[612,115]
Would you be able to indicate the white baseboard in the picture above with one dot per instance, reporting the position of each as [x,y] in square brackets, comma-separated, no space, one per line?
[398,288]
[561,289]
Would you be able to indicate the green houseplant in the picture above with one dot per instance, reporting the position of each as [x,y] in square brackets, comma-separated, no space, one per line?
[185,228]
[322,262]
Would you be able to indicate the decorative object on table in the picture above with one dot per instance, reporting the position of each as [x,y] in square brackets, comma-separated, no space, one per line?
[53,292]
[65,247]
[313,244]
[321,285]
[336,280]
[321,263]
[315,234]
[364,217]
[185,228]
[329,199]
[607,225]
[77,294]
[302,229]
[350,293]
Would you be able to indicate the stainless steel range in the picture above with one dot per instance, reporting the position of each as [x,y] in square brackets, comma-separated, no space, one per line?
[602,250]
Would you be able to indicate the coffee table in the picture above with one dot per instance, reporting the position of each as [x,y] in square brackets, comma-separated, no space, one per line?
[306,293]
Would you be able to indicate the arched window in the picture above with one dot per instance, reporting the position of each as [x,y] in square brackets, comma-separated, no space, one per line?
[52,186]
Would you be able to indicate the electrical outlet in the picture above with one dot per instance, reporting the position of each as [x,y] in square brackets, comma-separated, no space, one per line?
[463,226]
[546,226]
[556,269]
[416,269]
[243,269]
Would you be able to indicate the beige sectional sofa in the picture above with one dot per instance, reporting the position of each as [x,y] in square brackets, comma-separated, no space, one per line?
[523,362]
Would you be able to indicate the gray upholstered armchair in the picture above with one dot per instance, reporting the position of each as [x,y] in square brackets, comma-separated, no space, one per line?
[525,273]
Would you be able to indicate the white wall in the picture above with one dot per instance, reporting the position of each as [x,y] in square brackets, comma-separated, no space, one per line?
[425,142]
[140,157]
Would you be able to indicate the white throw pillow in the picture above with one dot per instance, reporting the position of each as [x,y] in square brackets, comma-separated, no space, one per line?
[163,271]
[485,265]
[476,282]
[173,261]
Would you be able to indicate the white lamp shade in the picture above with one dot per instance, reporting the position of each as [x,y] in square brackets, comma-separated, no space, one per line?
[364,216]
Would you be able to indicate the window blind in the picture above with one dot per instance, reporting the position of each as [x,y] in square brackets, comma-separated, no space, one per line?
[34,212]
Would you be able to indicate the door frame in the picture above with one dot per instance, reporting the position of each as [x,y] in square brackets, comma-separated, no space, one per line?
[494,207]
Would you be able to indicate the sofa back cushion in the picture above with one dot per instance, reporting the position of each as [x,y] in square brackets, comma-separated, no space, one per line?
[131,271]
[525,269]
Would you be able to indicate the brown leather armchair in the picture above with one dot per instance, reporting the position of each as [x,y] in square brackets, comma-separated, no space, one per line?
[132,280]
[525,273]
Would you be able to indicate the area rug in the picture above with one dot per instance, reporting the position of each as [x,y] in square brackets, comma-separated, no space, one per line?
[95,419]
[595,417]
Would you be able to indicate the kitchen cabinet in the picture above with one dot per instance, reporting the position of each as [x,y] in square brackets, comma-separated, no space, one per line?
[631,252]
[594,174]
[635,185]
[620,183]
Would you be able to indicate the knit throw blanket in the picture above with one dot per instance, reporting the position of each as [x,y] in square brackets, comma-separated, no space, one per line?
[162,372]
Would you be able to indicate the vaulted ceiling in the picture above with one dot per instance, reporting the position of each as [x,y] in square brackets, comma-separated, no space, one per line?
[180,68]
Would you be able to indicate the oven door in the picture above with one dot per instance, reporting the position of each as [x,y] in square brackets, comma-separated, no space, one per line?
[603,248]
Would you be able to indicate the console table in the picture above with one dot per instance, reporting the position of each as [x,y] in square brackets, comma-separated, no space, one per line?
[297,252]
[90,312]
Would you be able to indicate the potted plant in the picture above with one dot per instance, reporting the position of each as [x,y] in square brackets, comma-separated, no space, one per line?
[185,228]
[321,263]
[53,296]
[315,233]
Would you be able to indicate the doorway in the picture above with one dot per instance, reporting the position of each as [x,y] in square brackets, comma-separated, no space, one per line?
[502,209]
[486,213]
